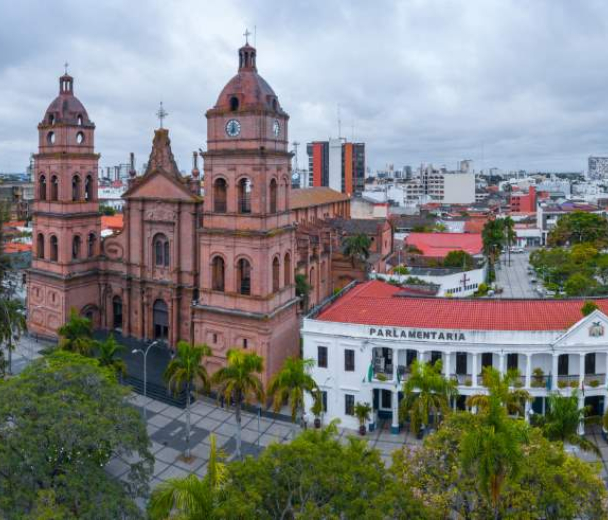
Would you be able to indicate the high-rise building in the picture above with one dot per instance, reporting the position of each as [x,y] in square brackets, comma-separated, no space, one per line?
[597,167]
[337,164]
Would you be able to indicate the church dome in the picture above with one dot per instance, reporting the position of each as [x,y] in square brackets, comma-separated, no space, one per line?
[66,108]
[247,90]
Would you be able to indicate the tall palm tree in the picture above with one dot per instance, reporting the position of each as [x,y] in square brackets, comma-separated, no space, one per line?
[12,325]
[426,392]
[238,383]
[76,334]
[107,356]
[562,420]
[356,247]
[509,234]
[503,387]
[190,498]
[492,449]
[290,384]
[493,239]
[187,370]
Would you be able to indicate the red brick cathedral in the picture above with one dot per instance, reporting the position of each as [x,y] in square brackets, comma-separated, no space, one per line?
[219,272]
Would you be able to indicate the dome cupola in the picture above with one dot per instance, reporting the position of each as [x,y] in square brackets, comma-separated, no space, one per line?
[66,108]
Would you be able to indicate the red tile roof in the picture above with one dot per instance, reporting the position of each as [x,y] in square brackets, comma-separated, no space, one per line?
[113,222]
[16,247]
[475,225]
[375,303]
[438,245]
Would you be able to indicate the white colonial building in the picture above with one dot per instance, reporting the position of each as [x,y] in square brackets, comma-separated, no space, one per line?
[364,341]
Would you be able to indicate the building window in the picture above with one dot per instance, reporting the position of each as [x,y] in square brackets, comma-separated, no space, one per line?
[218,274]
[54,248]
[214,338]
[562,365]
[75,188]
[234,103]
[80,138]
[590,364]
[244,342]
[40,246]
[88,188]
[486,360]
[243,276]
[54,188]
[42,187]
[117,312]
[273,196]
[322,357]
[349,360]
[287,269]
[276,275]
[349,404]
[244,192]
[435,356]
[220,191]
[324,400]
[91,245]
[461,363]
[161,251]
[512,362]
[76,243]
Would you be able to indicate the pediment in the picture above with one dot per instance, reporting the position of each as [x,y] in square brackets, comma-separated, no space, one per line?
[159,185]
[591,330]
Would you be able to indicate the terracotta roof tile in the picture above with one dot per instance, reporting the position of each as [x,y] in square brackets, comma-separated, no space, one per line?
[438,245]
[114,222]
[308,197]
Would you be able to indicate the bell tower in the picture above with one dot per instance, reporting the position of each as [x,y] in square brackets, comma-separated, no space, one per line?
[247,291]
[67,223]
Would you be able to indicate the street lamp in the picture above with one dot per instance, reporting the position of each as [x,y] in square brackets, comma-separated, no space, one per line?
[145,354]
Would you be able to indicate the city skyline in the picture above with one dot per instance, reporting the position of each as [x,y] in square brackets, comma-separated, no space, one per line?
[420,81]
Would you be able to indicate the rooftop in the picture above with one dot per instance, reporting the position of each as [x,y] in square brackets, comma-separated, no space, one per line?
[304,198]
[438,245]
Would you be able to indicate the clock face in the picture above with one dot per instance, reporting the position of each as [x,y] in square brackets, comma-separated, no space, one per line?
[233,128]
[276,128]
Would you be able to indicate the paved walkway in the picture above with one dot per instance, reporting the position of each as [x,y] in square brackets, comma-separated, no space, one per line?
[514,279]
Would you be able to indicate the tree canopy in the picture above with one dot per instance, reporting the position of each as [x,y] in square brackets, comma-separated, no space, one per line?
[459,259]
[579,227]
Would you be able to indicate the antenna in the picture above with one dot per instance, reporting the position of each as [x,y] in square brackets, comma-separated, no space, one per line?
[339,123]
[255,36]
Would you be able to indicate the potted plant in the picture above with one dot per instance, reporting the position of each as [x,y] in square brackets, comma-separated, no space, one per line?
[594,383]
[362,412]
[381,377]
[573,384]
[538,378]
[317,409]
[562,384]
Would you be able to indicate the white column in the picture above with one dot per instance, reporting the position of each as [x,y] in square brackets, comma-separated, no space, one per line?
[528,370]
[395,409]
[421,355]
[527,406]
[554,372]
[446,365]
[501,363]
[581,404]
[474,368]
[395,365]
[581,371]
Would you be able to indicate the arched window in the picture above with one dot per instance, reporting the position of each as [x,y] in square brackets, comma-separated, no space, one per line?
[76,188]
[220,189]
[234,103]
[161,251]
[76,242]
[218,274]
[79,120]
[276,275]
[243,276]
[160,319]
[244,196]
[40,246]
[117,312]
[311,278]
[273,196]
[42,187]
[54,248]
[91,241]
[287,268]
[54,188]
[88,188]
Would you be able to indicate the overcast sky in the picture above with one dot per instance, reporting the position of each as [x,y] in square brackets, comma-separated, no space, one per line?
[513,84]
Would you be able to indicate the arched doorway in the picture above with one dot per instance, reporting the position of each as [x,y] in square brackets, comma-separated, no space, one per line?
[160,319]
[117,312]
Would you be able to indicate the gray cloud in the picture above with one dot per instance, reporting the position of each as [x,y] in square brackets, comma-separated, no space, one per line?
[521,84]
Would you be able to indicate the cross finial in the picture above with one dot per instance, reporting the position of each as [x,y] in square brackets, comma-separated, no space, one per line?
[162,113]
[246,34]
[65,66]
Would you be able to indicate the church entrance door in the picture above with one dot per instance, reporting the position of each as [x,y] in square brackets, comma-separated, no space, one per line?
[161,320]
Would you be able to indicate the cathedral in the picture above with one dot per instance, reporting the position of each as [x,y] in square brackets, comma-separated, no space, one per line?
[218,269]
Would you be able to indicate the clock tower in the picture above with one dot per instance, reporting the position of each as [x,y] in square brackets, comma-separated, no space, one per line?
[247,242]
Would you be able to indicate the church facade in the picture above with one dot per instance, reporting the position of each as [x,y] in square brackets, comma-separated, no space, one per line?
[220,272]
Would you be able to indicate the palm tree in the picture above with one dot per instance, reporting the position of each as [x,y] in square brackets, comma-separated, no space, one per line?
[426,393]
[238,383]
[187,369]
[12,324]
[493,239]
[76,334]
[290,384]
[107,356]
[513,399]
[356,247]
[492,449]
[190,498]
[509,233]
[562,421]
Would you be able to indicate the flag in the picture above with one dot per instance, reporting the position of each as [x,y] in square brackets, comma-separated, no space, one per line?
[370,373]
[548,385]
[398,377]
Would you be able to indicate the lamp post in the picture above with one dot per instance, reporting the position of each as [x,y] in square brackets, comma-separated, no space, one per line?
[145,355]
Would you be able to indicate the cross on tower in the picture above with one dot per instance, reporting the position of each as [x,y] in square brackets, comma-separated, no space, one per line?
[465,279]
[162,113]
[65,66]
[246,34]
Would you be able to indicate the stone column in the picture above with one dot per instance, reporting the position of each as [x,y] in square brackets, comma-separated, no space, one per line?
[395,407]
[581,371]
[554,371]
[528,370]
[474,368]
[421,356]
[501,363]
[446,365]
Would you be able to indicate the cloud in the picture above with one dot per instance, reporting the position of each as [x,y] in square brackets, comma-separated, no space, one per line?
[518,84]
